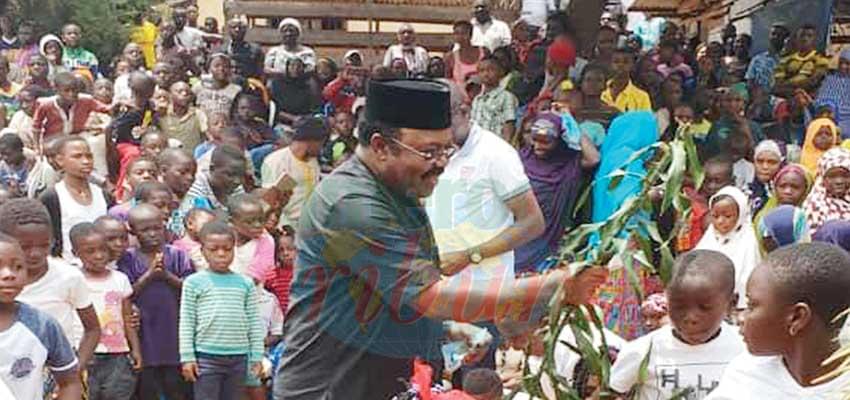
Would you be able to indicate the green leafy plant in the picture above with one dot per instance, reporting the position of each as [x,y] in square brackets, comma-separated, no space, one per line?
[104,23]
[671,165]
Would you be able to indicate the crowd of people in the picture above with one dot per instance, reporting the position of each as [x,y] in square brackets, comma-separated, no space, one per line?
[204,218]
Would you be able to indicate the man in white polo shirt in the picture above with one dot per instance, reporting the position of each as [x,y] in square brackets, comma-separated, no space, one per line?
[487,31]
[483,206]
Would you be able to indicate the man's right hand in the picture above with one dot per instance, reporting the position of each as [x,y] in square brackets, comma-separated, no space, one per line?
[581,287]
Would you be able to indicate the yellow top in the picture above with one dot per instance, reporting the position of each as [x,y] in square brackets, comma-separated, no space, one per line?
[631,98]
[145,36]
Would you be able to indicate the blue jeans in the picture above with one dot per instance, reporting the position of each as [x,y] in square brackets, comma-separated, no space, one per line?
[220,377]
[111,377]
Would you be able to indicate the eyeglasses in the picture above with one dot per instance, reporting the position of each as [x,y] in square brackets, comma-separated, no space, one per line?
[429,155]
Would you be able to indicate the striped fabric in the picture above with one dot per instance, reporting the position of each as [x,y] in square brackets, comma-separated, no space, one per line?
[219,316]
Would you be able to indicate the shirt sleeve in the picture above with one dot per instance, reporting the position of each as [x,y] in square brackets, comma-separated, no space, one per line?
[508,175]
[509,107]
[78,296]
[626,370]
[126,287]
[188,320]
[60,354]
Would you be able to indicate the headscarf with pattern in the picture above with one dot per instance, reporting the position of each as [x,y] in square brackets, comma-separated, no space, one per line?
[820,206]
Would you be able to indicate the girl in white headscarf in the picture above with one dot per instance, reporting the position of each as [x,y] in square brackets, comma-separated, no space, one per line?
[731,233]
[52,49]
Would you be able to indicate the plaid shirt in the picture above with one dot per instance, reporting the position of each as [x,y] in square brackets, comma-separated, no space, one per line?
[493,108]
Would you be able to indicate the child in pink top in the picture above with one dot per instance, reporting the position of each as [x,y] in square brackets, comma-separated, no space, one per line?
[255,247]
[195,220]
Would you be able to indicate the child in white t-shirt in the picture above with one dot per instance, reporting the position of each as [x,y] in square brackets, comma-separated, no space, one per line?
[790,325]
[29,338]
[689,355]
[111,374]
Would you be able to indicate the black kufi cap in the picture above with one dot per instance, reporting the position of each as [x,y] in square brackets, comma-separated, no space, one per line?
[415,104]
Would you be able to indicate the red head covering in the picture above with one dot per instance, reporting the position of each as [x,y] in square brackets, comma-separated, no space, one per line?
[562,52]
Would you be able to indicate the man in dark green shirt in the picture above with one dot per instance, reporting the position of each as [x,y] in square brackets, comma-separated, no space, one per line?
[367,297]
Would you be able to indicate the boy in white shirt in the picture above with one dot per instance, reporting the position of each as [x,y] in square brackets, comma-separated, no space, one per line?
[794,299]
[689,355]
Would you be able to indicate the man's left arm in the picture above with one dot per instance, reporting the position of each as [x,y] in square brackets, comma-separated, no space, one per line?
[528,225]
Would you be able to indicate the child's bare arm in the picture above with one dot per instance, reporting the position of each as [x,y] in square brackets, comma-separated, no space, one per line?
[70,387]
[91,334]
[131,333]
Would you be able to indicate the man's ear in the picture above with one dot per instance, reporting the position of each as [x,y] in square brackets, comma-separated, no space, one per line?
[380,145]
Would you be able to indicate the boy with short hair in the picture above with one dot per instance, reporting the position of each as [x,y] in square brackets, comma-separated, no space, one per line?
[621,92]
[221,335]
[494,109]
[53,286]
[156,271]
[795,304]
[195,220]
[183,121]
[803,68]
[14,166]
[689,355]
[110,374]
[116,237]
[31,339]
[211,190]
[67,112]
[73,56]
[21,122]
[341,143]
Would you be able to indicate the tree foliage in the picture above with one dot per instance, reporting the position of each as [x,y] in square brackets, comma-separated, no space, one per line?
[104,22]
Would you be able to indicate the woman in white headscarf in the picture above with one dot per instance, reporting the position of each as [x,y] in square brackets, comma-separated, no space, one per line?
[290,47]
[731,233]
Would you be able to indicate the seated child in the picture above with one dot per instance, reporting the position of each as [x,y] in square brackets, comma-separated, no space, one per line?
[250,114]
[254,246]
[67,112]
[732,234]
[217,123]
[183,121]
[341,143]
[21,122]
[221,332]
[794,301]
[29,334]
[116,236]
[783,226]
[689,355]
[97,124]
[111,375]
[279,279]
[821,135]
[718,174]
[14,166]
[195,220]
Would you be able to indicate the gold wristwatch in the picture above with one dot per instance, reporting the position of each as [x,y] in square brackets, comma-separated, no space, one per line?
[475,255]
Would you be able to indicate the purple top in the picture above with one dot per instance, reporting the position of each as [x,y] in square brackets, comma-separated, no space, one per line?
[159,305]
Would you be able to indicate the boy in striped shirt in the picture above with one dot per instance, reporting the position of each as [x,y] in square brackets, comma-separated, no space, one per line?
[221,334]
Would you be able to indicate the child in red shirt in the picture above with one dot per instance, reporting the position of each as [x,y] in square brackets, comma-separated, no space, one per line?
[279,279]
[65,113]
